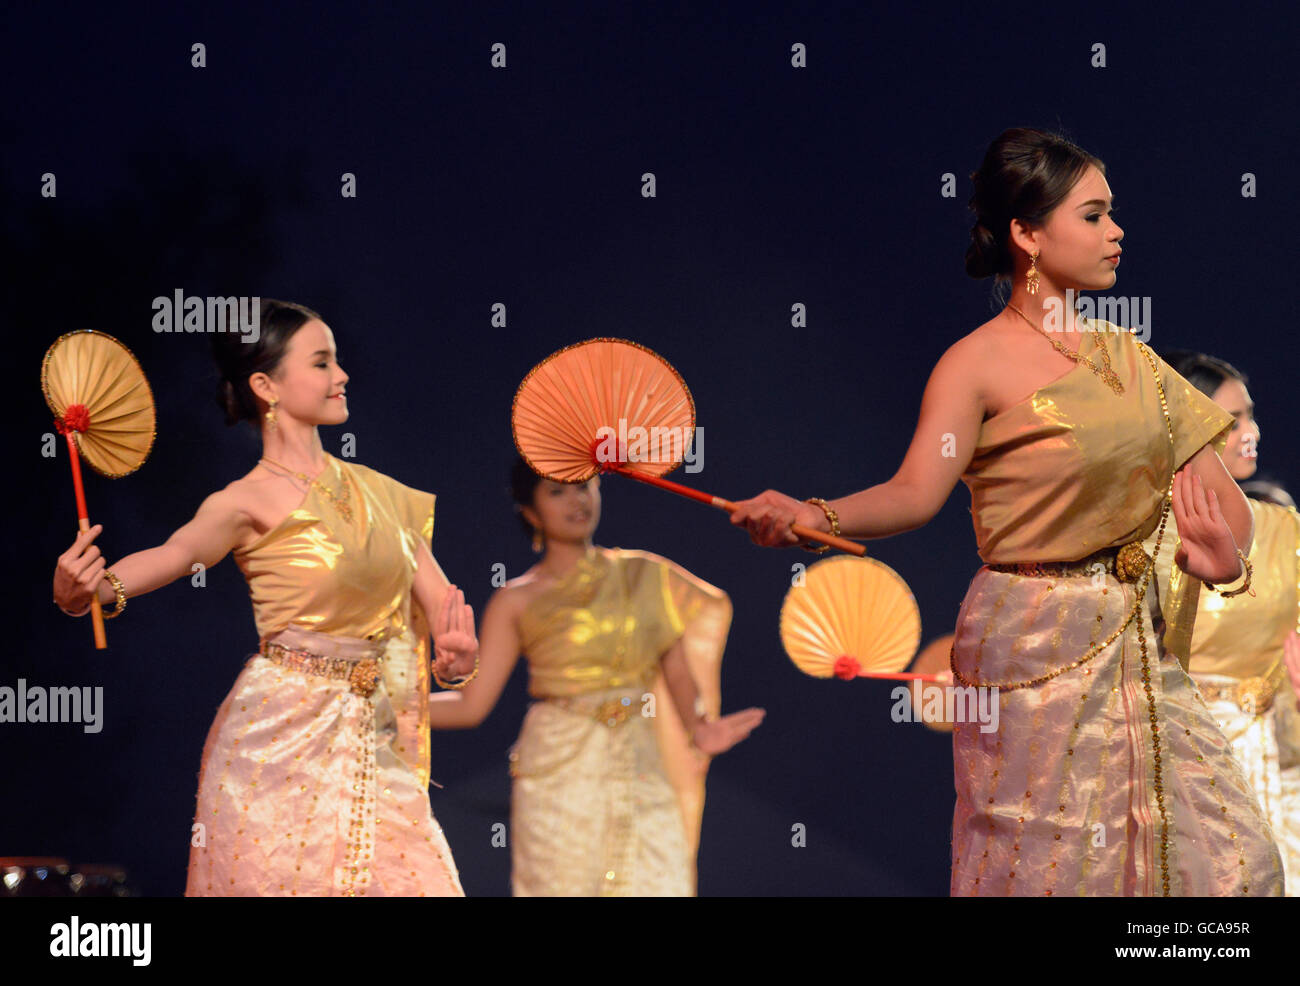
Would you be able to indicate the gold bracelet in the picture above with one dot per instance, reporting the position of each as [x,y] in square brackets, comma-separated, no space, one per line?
[459,683]
[119,591]
[1245,586]
[832,518]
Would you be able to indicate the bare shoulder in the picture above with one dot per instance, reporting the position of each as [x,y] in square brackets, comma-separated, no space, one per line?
[964,367]
[517,592]
[243,494]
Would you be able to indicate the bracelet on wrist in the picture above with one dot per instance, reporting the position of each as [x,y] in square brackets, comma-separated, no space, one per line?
[1247,572]
[459,683]
[118,591]
[832,518]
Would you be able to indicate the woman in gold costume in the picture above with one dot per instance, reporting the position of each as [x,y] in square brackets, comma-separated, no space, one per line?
[1238,643]
[624,651]
[314,779]
[1105,776]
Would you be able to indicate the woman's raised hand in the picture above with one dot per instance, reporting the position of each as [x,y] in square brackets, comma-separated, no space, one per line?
[455,646]
[1208,551]
[78,573]
[722,734]
[769,516]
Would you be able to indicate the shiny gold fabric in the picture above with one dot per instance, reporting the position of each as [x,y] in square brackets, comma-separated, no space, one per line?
[1074,468]
[1064,797]
[610,805]
[303,781]
[1240,638]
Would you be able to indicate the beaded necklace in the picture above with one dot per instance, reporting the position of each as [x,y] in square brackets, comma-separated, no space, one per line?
[342,501]
[1106,372]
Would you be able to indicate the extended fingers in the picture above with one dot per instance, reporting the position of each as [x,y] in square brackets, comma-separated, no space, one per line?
[443,623]
[1198,494]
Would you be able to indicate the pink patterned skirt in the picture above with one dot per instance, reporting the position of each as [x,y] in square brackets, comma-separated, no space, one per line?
[1108,779]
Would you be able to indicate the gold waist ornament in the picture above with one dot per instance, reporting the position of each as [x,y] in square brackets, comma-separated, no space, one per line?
[362,676]
[1127,563]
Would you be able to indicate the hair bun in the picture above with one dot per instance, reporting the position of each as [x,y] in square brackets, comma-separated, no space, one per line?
[984,256]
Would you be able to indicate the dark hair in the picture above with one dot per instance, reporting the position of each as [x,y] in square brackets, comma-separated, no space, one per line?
[1206,373]
[1025,175]
[523,486]
[238,360]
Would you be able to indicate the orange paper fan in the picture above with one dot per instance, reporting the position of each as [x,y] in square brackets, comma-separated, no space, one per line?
[103,405]
[603,396]
[932,664]
[851,618]
[610,405]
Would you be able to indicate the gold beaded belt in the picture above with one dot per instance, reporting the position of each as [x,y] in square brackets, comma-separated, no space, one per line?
[612,712]
[362,676]
[1126,563]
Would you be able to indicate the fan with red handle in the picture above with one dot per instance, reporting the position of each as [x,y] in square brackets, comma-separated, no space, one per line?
[852,618]
[610,405]
[103,405]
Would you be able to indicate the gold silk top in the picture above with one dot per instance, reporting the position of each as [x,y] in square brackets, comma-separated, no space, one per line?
[1074,468]
[321,570]
[611,618]
[1242,636]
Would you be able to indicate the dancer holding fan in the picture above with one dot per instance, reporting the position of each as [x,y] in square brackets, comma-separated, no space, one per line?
[315,774]
[624,652]
[1106,776]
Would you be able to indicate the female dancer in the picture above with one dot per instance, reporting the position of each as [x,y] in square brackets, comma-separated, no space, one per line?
[1105,776]
[1237,646]
[623,648]
[315,774]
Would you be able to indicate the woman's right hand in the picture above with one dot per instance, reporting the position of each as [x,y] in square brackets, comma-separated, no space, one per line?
[78,573]
[769,516]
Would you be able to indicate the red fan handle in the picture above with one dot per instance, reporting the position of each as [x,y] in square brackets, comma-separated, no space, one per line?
[807,533]
[76,419]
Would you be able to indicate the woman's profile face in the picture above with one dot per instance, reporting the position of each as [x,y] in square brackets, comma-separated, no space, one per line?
[567,511]
[1239,456]
[1080,237]
[309,381]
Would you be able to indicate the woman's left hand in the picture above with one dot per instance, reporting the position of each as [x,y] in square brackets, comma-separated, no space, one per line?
[455,645]
[722,734]
[1208,551]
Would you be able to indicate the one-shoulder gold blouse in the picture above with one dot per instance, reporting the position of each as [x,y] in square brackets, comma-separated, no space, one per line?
[1075,468]
[610,619]
[343,563]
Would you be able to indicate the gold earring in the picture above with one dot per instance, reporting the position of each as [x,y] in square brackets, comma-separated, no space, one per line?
[538,542]
[270,415]
[1031,279]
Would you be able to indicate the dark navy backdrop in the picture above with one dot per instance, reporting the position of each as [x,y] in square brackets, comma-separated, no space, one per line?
[775,185]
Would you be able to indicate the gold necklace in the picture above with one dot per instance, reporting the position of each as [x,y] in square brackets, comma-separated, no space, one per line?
[1106,372]
[342,501]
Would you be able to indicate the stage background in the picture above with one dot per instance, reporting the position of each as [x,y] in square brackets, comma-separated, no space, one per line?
[776,185]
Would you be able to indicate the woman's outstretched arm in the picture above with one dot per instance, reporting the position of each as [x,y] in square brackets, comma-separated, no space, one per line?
[952,410]
[215,529]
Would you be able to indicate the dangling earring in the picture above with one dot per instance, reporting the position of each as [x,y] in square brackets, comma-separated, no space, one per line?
[1031,279]
[270,415]
[538,542]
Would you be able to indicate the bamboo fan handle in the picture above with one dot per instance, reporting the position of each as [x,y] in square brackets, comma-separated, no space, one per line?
[83,525]
[807,533]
